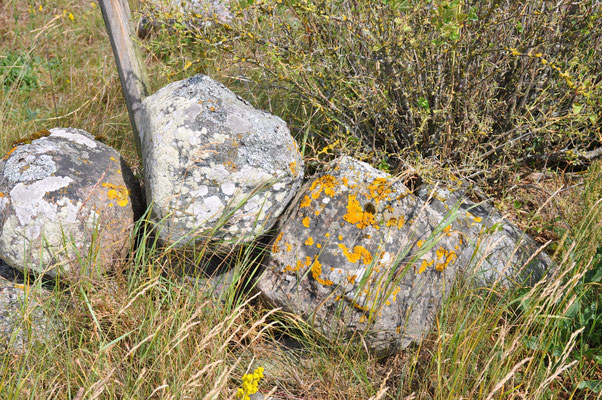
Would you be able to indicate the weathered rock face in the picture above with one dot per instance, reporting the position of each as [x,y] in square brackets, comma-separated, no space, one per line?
[498,251]
[23,317]
[358,252]
[211,154]
[62,195]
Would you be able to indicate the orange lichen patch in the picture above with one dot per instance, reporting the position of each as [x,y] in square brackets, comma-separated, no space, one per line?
[326,183]
[359,252]
[293,167]
[419,243]
[112,158]
[318,245]
[309,241]
[2,194]
[275,247]
[424,265]
[9,153]
[306,202]
[473,217]
[345,181]
[357,216]
[398,222]
[288,247]
[398,330]
[299,265]
[305,222]
[316,271]
[360,307]
[340,237]
[327,235]
[351,279]
[393,296]
[447,229]
[317,212]
[448,257]
[379,190]
[117,192]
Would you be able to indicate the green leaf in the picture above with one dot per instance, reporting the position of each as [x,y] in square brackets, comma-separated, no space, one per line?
[594,386]
[577,108]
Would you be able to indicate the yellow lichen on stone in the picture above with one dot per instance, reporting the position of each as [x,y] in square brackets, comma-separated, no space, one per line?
[117,192]
[357,216]
[309,241]
[288,247]
[326,183]
[379,190]
[448,257]
[424,265]
[306,202]
[351,279]
[305,222]
[275,247]
[397,222]
[316,271]
[419,243]
[359,252]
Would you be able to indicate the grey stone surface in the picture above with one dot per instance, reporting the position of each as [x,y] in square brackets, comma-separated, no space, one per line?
[23,317]
[498,251]
[65,195]
[211,154]
[358,253]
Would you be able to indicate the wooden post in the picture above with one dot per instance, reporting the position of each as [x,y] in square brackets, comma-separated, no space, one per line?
[132,73]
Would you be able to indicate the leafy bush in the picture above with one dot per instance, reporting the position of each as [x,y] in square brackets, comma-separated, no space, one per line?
[480,85]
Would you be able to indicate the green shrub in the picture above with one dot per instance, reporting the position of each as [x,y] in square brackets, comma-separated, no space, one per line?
[479,85]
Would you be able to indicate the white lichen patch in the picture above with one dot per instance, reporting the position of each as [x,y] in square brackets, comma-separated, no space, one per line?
[28,201]
[73,135]
[25,167]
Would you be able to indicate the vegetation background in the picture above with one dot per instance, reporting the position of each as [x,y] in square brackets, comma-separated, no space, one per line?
[505,95]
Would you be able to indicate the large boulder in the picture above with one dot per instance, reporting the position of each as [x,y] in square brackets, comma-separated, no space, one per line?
[499,252]
[26,315]
[67,204]
[213,164]
[358,253]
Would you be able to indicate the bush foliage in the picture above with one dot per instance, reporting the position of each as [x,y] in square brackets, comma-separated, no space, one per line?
[479,85]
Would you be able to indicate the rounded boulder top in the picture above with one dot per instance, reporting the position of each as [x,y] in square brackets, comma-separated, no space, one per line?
[67,203]
[213,163]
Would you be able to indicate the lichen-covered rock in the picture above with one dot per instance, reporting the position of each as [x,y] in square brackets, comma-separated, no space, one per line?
[25,315]
[359,253]
[213,162]
[64,197]
[498,251]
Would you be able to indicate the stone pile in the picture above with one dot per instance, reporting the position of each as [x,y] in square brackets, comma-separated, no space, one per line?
[355,253]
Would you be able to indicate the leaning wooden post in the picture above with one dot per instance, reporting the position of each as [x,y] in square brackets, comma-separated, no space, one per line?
[132,73]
